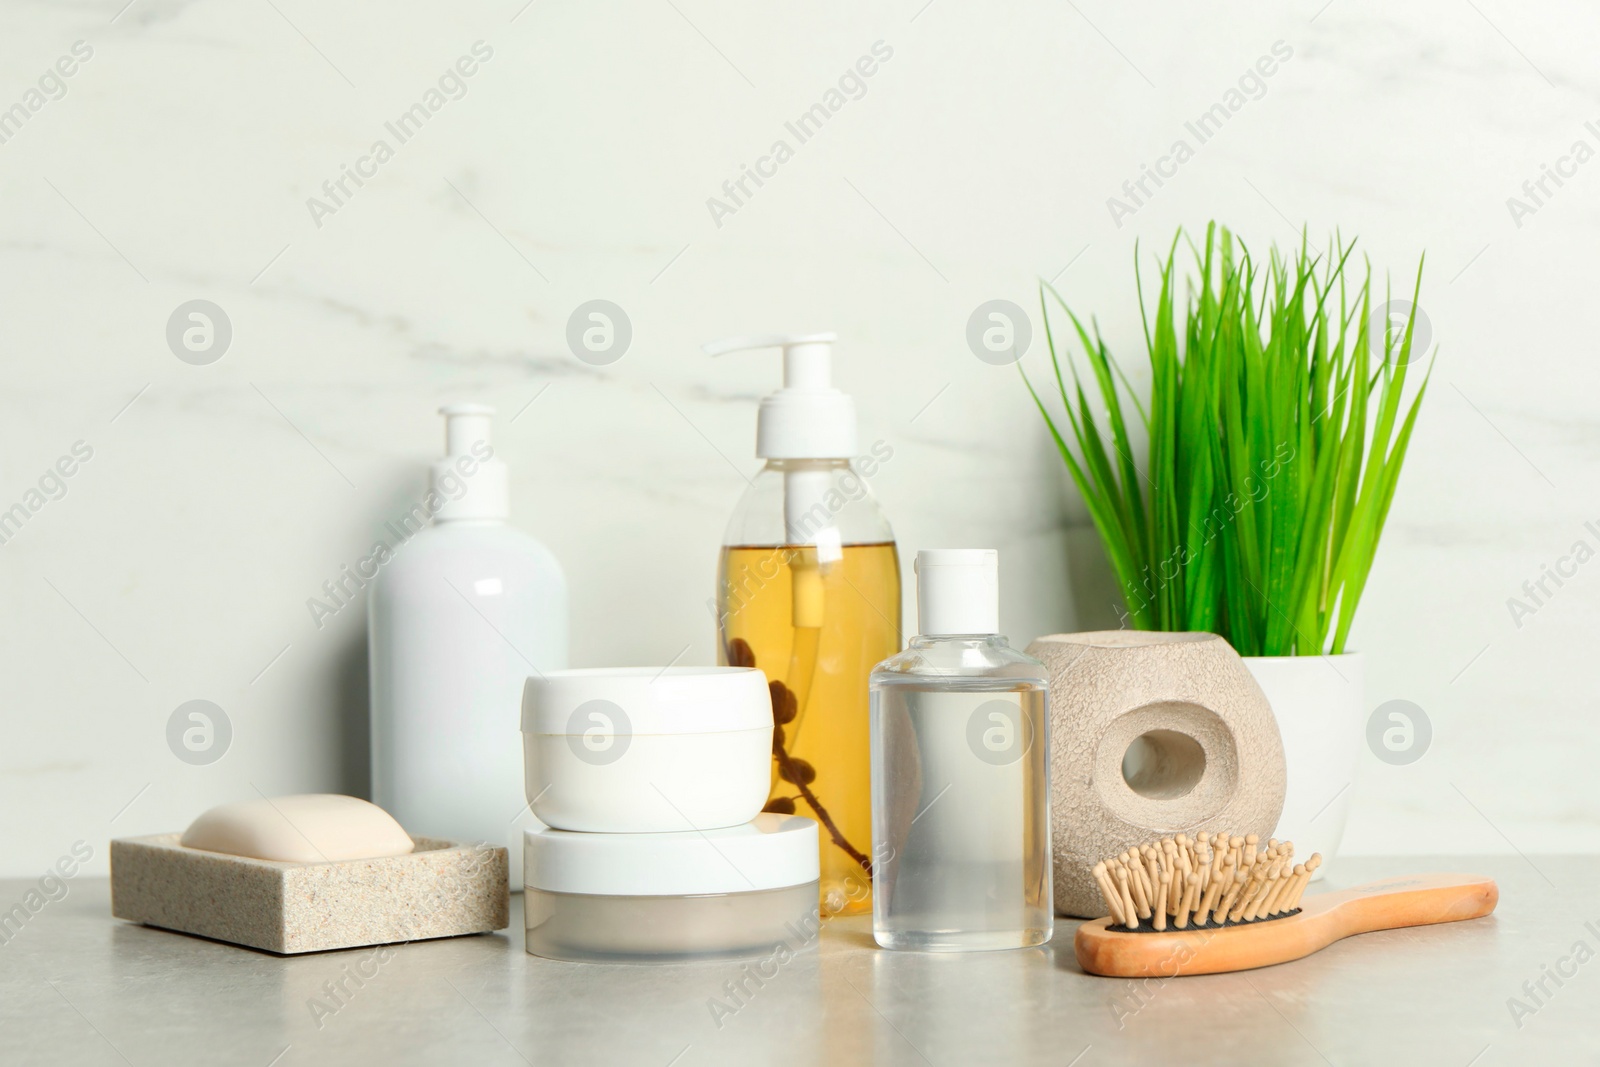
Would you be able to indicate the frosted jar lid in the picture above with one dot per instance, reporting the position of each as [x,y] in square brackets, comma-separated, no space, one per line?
[647,700]
[769,852]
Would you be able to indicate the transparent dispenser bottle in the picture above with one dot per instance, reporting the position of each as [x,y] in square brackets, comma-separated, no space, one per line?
[808,590]
[960,773]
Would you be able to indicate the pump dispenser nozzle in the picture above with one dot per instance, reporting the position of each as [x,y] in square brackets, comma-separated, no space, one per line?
[808,419]
[470,480]
[465,424]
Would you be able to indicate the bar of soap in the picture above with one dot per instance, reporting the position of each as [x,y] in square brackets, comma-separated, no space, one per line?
[306,828]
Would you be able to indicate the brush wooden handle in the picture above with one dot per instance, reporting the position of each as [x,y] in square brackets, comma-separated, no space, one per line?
[1417,900]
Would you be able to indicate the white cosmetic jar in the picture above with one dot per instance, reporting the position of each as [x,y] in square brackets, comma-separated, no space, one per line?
[640,750]
[741,891]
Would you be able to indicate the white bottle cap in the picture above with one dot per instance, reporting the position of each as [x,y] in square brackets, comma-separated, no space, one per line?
[958,591]
[472,481]
[808,418]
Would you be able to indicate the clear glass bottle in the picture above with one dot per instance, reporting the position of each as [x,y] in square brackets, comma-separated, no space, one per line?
[960,774]
[808,590]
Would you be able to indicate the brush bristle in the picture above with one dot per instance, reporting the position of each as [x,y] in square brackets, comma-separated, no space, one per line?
[1210,882]
[1147,926]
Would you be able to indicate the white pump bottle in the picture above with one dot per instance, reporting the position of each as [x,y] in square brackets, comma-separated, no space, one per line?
[464,612]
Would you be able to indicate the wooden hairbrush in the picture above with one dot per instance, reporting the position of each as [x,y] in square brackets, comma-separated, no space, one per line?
[1219,903]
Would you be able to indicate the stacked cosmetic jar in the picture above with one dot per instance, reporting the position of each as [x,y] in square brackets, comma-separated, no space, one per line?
[650,782]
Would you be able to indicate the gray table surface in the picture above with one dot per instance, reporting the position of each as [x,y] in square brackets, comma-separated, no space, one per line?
[78,987]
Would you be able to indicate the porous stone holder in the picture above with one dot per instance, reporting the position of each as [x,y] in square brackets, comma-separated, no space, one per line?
[1151,734]
[443,889]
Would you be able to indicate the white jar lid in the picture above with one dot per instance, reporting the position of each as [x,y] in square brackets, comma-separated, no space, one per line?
[647,700]
[769,852]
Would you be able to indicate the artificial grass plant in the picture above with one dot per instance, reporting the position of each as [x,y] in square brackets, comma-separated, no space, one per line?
[1275,444]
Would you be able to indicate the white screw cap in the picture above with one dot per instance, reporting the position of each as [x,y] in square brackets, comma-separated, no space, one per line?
[958,591]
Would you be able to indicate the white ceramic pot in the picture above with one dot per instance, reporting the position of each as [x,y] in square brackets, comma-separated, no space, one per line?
[1318,702]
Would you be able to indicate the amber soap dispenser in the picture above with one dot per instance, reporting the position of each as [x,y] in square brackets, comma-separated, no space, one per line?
[808,590]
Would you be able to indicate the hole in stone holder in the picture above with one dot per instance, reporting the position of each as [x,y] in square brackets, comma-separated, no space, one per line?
[1163,764]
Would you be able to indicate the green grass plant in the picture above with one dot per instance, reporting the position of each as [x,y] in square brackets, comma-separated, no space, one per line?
[1276,432]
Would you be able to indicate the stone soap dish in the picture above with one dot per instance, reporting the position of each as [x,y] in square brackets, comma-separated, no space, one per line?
[442,889]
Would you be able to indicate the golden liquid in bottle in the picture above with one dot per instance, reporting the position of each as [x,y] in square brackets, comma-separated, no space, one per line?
[817,630]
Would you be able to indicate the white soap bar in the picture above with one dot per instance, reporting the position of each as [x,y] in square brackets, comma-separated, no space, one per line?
[308,828]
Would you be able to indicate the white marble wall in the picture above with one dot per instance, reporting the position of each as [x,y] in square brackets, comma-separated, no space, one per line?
[178,163]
